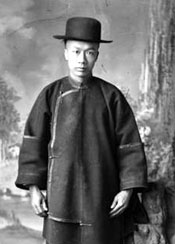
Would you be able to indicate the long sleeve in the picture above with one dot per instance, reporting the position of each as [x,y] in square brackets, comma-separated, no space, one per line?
[33,158]
[131,157]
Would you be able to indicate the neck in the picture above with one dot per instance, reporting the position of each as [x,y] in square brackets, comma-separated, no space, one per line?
[80,80]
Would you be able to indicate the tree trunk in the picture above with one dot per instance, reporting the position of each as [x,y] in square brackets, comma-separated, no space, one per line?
[158,92]
[159,72]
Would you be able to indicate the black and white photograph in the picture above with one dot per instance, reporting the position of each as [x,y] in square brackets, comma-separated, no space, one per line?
[87,121]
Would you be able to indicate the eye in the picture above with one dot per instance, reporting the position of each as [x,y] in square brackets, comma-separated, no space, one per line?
[76,51]
[91,53]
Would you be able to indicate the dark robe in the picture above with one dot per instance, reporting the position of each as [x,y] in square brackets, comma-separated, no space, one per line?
[81,143]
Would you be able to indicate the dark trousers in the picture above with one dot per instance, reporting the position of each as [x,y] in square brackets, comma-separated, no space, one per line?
[128,240]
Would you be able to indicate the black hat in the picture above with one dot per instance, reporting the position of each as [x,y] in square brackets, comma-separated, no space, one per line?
[83,29]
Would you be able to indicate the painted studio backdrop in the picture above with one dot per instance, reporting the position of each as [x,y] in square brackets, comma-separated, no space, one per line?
[140,61]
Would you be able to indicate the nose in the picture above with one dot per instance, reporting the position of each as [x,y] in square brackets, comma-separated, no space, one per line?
[82,57]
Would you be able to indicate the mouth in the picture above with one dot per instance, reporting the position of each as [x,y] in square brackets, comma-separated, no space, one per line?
[81,69]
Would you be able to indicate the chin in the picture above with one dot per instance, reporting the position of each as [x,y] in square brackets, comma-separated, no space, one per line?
[83,74]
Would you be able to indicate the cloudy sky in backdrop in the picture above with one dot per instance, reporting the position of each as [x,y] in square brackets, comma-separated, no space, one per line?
[31,58]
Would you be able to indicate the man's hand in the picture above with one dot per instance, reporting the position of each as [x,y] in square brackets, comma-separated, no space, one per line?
[38,201]
[120,202]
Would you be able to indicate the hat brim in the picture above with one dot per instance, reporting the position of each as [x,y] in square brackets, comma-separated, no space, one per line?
[61,37]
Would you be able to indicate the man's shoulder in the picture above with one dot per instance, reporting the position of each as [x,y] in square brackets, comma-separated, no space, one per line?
[53,85]
[107,86]
[52,88]
[50,92]
[112,93]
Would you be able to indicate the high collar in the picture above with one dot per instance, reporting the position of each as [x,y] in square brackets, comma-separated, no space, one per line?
[79,85]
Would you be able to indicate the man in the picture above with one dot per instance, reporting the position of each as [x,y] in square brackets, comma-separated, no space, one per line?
[81,143]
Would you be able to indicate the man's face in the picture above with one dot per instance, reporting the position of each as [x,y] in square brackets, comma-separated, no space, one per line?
[81,57]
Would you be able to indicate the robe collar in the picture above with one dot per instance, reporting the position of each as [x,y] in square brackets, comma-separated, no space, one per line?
[78,85]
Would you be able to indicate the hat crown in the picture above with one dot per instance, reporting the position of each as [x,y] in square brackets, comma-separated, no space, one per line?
[82,29]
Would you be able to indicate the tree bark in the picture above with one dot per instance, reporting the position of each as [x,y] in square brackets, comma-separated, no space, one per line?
[158,92]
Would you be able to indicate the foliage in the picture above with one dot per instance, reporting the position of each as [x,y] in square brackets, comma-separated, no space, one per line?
[158,148]
[160,162]
[9,117]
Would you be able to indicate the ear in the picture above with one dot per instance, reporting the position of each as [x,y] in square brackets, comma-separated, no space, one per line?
[65,54]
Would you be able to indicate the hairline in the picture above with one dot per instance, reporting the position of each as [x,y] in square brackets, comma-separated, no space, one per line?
[65,42]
